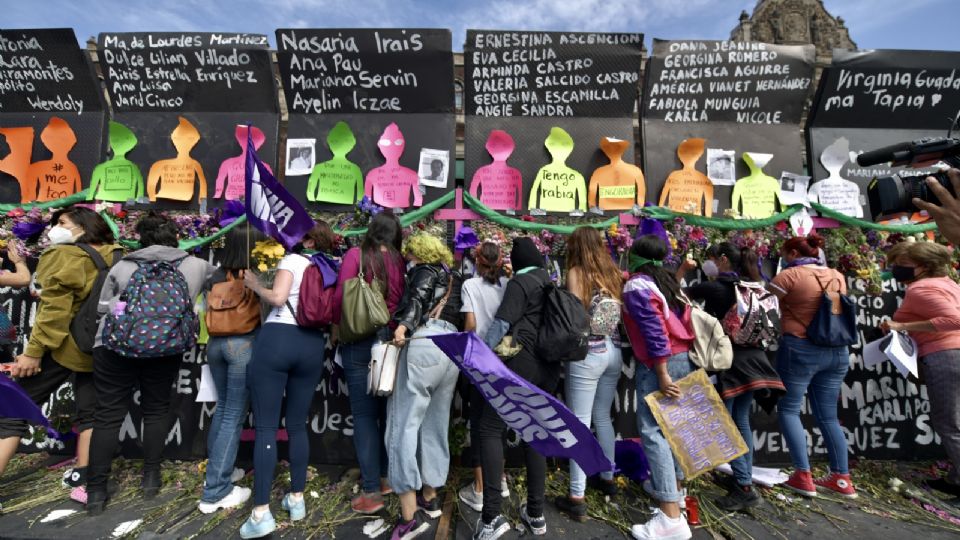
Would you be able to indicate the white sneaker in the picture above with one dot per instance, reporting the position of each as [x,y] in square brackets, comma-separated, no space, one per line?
[471,498]
[237,475]
[504,487]
[235,498]
[660,527]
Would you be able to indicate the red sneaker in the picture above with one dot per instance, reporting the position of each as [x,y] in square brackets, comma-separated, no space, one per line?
[367,503]
[838,483]
[802,483]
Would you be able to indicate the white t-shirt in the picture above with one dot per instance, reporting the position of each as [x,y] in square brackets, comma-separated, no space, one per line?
[295,264]
[482,299]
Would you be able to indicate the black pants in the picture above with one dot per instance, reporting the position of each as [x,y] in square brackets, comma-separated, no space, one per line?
[115,378]
[491,430]
[39,387]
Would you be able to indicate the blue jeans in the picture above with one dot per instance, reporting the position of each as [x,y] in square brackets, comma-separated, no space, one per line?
[590,388]
[803,365]
[664,469]
[369,414]
[228,358]
[739,408]
[418,413]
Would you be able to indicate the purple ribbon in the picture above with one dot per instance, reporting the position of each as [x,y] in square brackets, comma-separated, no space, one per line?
[27,229]
[803,261]
[329,268]
[15,403]
[465,239]
[542,420]
[232,209]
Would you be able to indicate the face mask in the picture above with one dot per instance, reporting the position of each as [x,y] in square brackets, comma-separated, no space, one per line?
[710,269]
[60,235]
[903,273]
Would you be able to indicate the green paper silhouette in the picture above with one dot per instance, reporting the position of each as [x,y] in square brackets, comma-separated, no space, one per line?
[560,188]
[758,192]
[117,179]
[337,180]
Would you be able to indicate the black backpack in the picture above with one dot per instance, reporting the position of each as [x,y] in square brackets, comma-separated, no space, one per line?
[564,326]
[83,327]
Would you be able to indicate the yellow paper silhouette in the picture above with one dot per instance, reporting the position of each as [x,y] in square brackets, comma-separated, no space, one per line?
[16,147]
[560,188]
[176,177]
[337,180]
[56,177]
[689,190]
[758,192]
[117,179]
[619,185]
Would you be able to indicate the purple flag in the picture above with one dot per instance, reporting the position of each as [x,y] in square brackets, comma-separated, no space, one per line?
[542,420]
[269,206]
[15,403]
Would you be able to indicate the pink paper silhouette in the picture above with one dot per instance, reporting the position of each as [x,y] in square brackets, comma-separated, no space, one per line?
[500,185]
[232,169]
[390,184]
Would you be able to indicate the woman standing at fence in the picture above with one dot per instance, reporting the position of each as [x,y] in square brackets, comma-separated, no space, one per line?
[287,363]
[418,412]
[660,332]
[751,373]
[381,262]
[591,384]
[803,365]
[930,313]
[65,274]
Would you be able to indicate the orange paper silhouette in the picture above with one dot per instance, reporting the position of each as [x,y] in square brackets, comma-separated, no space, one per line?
[176,176]
[232,169]
[619,185]
[499,185]
[689,190]
[56,177]
[390,184]
[16,148]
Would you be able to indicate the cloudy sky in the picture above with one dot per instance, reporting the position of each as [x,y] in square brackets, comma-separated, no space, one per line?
[874,24]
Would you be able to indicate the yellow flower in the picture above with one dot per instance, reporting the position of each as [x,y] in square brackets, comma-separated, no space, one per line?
[613,229]
[262,267]
[863,273]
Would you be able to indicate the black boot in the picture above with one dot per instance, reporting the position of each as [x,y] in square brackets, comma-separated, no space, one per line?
[151,484]
[96,502]
[575,509]
[739,498]
[607,487]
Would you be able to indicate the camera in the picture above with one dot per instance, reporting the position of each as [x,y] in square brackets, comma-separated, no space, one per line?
[894,194]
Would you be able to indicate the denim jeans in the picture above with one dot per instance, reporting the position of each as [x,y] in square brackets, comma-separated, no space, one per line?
[590,388]
[228,358]
[739,408]
[369,414]
[941,371]
[418,413]
[664,469]
[803,365]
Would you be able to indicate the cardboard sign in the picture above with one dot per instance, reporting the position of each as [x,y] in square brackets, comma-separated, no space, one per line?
[117,179]
[697,425]
[688,190]
[498,185]
[230,177]
[558,187]
[619,185]
[337,180]
[175,178]
[390,184]
[56,177]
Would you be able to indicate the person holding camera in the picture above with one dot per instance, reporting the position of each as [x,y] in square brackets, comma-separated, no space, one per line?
[947,214]
[930,314]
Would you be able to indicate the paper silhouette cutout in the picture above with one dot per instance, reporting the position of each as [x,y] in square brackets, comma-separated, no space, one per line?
[834,192]
[757,192]
[390,184]
[498,185]
[337,180]
[117,179]
[619,185]
[230,177]
[176,177]
[16,149]
[560,188]
[56,177]
[689,190]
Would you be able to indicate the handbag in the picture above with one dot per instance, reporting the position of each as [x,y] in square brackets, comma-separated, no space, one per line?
[711,349]
[832,327]
[364,308]
[382,375]
[232,308]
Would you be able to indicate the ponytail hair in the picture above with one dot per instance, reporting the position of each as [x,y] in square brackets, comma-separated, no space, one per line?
[806,246]
[489,262]
[654,249]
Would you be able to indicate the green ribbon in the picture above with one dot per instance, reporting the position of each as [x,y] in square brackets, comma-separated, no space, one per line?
[514,223]
[78,197]
[637,261]
[409,218]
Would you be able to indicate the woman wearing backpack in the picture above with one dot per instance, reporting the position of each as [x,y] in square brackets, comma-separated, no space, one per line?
[803,365]
[66,276]
[519,317]
[228,355]
[751,374]
[380,252]
[658,325]
[115,375]
[930,313]
[418,411]
[591,384]
[287,361]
